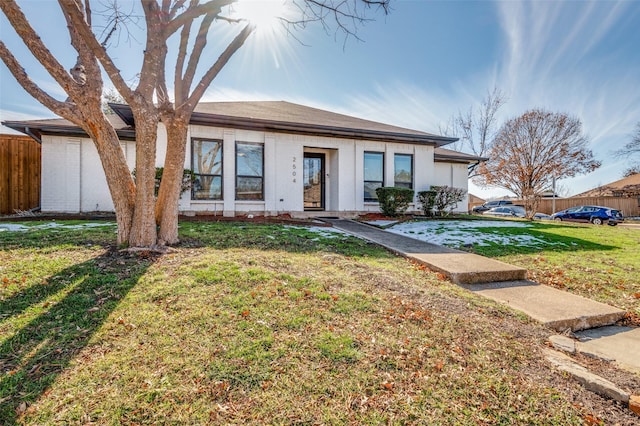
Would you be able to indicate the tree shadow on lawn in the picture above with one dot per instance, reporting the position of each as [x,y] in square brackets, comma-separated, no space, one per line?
[542,232]
[69,233]
[296,238]
[39,351]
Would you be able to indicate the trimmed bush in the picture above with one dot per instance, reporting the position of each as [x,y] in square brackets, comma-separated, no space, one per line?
[427,200]
[393,200]
[446,198]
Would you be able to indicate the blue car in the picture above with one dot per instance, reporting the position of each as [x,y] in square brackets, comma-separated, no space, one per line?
[590,214]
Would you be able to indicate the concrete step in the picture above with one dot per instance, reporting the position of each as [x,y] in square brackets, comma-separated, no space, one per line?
[556,309]
[620,344]
[468,268]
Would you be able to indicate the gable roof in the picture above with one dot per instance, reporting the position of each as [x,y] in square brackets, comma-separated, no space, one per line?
[628,186]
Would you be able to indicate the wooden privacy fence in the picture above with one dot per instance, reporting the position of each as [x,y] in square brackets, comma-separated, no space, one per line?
[630,206]
[19,173]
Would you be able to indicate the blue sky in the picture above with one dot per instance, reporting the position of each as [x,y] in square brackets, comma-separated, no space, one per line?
[421,64]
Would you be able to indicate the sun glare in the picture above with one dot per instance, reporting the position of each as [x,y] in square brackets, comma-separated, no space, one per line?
[266,15]
[270,45]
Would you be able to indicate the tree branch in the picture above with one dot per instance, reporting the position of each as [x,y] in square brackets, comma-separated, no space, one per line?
[86,60]
[215,69]
[196,53]
[35,45]
[76,17]
[211,7]
[63,109]
[182,54]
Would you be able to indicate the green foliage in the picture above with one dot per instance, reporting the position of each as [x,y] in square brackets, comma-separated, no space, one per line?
[427,200]
[441,198]
[393,200]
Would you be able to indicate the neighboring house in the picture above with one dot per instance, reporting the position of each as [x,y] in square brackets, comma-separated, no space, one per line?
[627,187]
[258,157]
[474,200]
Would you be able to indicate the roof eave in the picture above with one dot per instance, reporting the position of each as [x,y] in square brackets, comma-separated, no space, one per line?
[314,129]
[456,159]
[247,123]
[60,130]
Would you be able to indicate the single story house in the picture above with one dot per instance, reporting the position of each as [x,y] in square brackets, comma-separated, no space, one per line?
[264,158]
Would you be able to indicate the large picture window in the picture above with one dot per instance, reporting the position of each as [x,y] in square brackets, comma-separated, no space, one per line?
[373,174]
[403,171]
[206,163]
[249,171]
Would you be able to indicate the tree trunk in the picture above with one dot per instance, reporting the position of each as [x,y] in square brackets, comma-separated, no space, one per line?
[116,170]
[172,176]
[143,227]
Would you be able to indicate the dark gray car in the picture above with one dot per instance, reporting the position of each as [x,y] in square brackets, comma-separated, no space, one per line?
[489,205]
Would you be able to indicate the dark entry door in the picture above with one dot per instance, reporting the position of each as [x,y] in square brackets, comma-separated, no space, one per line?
[314,181]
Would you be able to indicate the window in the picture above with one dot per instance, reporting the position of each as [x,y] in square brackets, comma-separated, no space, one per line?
[373,174]
[403,165]
[206,163]
[249,171]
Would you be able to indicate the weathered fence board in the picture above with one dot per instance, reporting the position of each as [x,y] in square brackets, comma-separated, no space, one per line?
[19,173]
[630,206]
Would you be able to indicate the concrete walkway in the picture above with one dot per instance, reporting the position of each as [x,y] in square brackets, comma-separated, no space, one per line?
[507,284]
[461,267]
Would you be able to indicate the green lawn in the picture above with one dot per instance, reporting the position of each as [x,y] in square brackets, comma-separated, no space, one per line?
[598,262]
[261,324]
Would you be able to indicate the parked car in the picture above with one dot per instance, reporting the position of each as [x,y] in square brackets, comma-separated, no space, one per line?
[489,205]
[506,211]
[590,214]
[541,216]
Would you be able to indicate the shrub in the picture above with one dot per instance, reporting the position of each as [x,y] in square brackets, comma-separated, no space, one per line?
[427,200]
[394,201]
[446,198]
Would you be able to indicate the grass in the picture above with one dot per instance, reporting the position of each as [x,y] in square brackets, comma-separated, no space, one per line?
[255,324]
[598,262]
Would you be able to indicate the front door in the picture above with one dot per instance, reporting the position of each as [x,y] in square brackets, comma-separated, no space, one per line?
[314,181]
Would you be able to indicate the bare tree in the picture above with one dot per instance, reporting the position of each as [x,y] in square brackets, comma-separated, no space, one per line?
[632,170]
[631,151]
[530,150]
[477,128]
[137,209]
[83,105]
